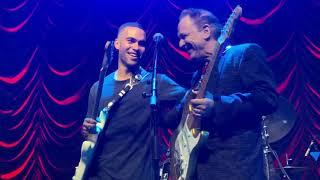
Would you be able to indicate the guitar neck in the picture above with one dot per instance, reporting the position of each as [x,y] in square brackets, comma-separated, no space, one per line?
[203,82]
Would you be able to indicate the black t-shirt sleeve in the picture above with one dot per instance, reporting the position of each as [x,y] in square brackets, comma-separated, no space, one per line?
[170,96]
[169,90]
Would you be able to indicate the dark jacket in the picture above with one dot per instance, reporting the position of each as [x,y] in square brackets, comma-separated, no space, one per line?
[243,90]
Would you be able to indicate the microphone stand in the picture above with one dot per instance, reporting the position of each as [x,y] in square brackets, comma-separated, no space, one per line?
[154,119]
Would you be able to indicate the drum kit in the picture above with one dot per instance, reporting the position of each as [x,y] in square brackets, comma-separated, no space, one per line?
[276,127]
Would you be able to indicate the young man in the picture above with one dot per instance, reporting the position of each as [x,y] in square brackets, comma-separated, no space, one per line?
[243,90]
[125,151]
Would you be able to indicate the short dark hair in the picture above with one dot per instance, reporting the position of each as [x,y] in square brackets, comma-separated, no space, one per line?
[202,17]
[130,24]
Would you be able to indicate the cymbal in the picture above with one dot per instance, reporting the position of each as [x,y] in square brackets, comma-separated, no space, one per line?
[280,123]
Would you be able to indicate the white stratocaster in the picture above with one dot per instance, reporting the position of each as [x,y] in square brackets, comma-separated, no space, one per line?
[88,147]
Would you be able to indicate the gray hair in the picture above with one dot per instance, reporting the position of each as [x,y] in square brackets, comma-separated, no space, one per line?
[202,17]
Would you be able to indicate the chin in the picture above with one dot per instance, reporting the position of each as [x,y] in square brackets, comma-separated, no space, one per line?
[197,56]
[133,63]
[194,57]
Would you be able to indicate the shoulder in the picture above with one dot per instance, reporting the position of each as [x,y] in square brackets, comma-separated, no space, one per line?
[244,48]
[107,80]
[243,52]
[166,82]
[165,79]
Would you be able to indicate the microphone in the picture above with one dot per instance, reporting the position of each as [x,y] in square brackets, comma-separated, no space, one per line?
[158,37]
[308,150]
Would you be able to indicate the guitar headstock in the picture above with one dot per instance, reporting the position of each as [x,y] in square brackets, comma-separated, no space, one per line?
[108,55]
[227,28]
[109,46]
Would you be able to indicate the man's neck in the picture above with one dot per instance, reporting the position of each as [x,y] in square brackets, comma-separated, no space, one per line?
[210,47]
[124,73]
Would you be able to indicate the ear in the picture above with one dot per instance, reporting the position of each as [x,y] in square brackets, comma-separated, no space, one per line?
[117,43]
[206,30]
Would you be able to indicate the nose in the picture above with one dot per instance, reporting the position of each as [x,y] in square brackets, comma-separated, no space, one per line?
[181,43]
[135,46]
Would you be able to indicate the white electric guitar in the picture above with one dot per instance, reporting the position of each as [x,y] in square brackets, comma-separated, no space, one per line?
[88,147]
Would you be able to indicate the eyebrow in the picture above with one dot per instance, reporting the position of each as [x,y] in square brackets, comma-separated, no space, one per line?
[130,38]
[181,34]
[143,41]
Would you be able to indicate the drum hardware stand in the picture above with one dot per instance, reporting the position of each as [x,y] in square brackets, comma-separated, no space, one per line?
[267,149]
[287,160]
[165,167]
